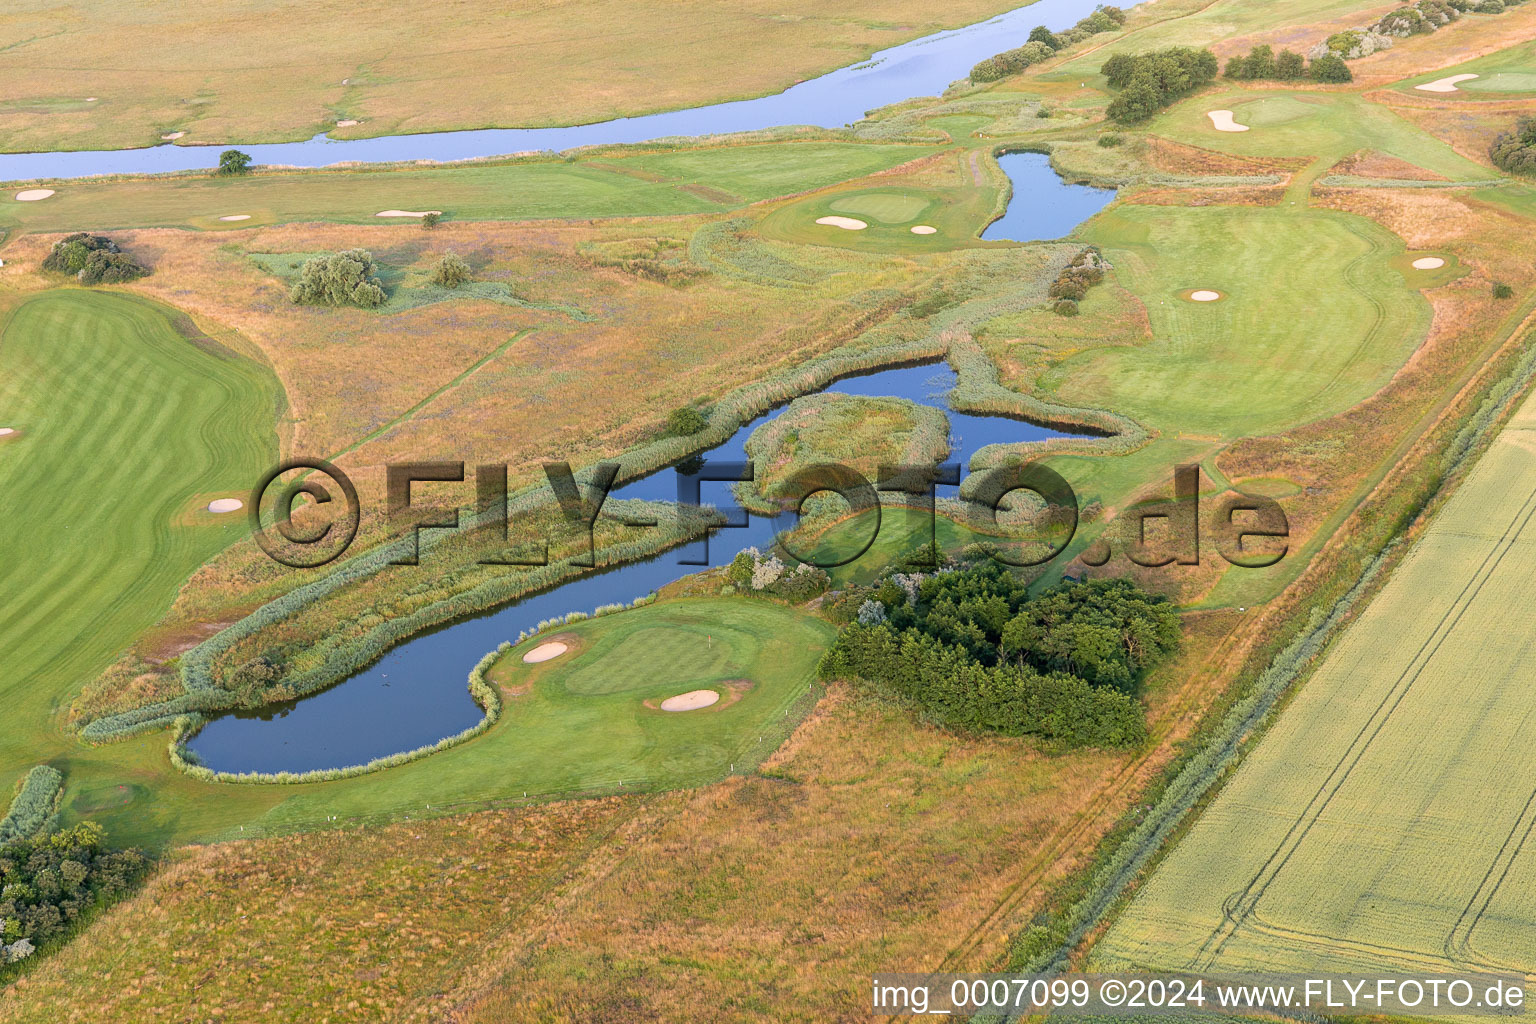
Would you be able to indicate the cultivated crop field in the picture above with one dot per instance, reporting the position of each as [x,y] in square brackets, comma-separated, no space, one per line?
[1383,822]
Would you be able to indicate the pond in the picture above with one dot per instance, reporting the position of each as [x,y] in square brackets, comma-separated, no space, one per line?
[1043,206]
[922,67]
[416,694]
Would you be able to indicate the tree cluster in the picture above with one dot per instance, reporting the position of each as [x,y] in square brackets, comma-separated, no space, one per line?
[347,278]
[753,573]
[1148,82]
[1515,151]
[450,271]
[48,883]
[1263,62]
[93,259]
[1043,43]
[974,650]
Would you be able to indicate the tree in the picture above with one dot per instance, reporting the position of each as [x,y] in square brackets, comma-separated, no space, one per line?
[232,161]
[1137,102]
[93,259]
[1290,65]
[685,421]
[1331,68]
[1260,62]
[450,271]
[1119,69]
[348,278]
[1041,34]
[1237,69]
[1515,151]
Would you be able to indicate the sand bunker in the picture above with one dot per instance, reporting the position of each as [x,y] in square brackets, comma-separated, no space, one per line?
[1222,119]
[348,123]
[90,99]
[407,213]
[237,216]
[545,652]
[32,195]
[1428,263]
[924,229]
[222,505]
[1444,84]
[172,136]
[7,431]
[1204,295]
[690,701]
[846,223]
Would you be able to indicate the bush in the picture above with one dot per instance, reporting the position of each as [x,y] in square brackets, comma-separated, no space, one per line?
[1515,151]
[450,271]
[1065,307]
[1041,34]
[1043,111]
[1490,7]
[429,219]
[1502,290]
[49,883]
[93,259]
[1109,140]
[232,161]
[1290,65]
[1332,69]
[33,808]
[685,421]
[348,278]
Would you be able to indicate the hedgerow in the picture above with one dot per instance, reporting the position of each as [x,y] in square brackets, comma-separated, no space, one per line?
[32,811]
[1043,44]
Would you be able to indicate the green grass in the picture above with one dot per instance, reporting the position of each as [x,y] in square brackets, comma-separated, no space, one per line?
[959,214]
[1507,71]
[1325,126]
[123,425]
[1315,317]
[1382,822]
[645,184]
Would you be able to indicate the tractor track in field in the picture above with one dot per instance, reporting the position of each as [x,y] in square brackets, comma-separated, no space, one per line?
[1238,907]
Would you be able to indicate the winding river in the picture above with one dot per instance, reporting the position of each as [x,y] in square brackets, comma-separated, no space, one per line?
[922,67]
[416,693]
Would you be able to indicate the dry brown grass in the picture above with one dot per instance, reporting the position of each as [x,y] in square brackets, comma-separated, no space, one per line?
[327,927]
[1369,163]
[1178,158]
[1460,41]
[262,71]
[1255,195]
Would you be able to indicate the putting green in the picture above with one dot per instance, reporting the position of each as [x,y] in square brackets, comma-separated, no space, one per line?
[1504,81]
[886,207]
[1314,317]
[591,719]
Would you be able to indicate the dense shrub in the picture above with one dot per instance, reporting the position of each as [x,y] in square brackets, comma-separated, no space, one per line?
[48,883]
[976,651]
[1502,290]
[685,421]
[1148,82]
[1515,151]
[1263,63]
[1066,307]
[1043,43]
[751,572]
[1109,140]
[450,271]
[232,161]
[430,218]
[93,259]
[33,808]
[1072,284]
[960,692]
[348,278]
[1330,68]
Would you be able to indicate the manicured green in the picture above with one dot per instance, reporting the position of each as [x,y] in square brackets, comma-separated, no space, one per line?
[1506,71]
[1315,318]
[958,213]
[653,184]
[124,430]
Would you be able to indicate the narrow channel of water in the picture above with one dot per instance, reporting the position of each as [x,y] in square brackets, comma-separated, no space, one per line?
[922,67]
[416,694]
